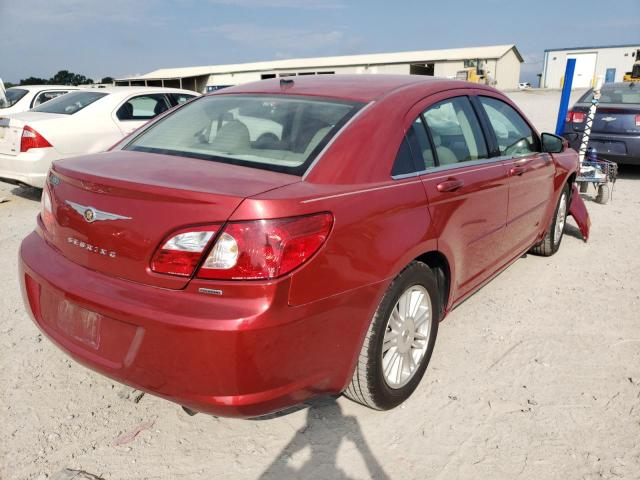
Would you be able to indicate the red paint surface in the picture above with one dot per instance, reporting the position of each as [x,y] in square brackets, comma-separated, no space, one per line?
[260,346]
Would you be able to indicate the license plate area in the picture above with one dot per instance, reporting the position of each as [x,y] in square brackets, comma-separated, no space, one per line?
[609,146]
[78,323]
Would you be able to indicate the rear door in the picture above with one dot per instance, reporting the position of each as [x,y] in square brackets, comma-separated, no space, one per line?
[530,172]
[139,109]
[467,190]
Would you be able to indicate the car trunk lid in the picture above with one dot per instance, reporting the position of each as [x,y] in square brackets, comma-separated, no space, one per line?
[144,197]
[617,119]
[11,129]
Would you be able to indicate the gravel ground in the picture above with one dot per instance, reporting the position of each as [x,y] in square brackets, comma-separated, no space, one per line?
[536,376]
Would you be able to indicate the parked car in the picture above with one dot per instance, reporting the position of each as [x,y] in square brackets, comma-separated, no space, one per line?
[23,98]
[524,85]
[81,122]
[239,274]
[615,132]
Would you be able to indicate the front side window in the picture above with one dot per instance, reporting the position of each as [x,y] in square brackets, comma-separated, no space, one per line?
[13,96]
[143,107]
[456,133]
[70,103]
[272,132]
[514,135]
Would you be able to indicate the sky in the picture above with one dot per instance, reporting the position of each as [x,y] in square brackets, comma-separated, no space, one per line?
[118,38]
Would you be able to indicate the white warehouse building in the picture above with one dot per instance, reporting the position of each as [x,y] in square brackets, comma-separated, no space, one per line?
[610,62]
[499,64]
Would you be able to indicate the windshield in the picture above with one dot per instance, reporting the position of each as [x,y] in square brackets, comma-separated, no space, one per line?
[70,103]
[13,96]
[622,94]
[279,133]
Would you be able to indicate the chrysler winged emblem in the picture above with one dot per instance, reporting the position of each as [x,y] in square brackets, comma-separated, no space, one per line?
[608,119]
[91,214]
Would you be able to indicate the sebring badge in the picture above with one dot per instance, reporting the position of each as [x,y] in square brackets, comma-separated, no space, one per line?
[91,215]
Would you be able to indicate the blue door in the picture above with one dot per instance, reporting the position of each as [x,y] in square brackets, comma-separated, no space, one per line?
[610,76]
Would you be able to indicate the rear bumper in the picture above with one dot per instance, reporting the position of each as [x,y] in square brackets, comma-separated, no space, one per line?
[224,355]
[29,168]
[622,149]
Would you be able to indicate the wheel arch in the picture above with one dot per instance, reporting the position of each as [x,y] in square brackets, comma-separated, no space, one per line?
[439,263]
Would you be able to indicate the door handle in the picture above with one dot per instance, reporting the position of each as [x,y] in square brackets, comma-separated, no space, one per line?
[520,167]
[519,170]
[450,185]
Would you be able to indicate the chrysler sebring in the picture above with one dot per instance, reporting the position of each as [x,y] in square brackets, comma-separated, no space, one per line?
[291,238]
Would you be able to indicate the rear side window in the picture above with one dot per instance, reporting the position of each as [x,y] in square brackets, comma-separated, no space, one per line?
[415,153]
[403,164]
[271,132]
[179,98]
[13,95]
[70,103]
[514,136]
[44,97]
[143,107]
[457,135]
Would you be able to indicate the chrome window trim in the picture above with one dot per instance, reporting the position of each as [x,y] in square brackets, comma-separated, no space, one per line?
[453,166]
[333,139]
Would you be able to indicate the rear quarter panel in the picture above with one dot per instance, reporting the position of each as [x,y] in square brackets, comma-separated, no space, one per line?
[378,229]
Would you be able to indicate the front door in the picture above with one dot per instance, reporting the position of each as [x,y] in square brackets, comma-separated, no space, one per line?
[530,174]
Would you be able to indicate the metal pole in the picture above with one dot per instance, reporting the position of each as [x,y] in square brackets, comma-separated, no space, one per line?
[592,113]
[566,93]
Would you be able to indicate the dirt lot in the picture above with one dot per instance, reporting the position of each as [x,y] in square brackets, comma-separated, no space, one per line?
[537,376]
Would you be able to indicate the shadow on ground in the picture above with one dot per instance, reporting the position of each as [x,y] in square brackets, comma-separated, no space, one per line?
[30,193]
[325,430]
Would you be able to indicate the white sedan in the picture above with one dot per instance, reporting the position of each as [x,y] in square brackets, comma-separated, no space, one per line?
[78,123]
[25,97]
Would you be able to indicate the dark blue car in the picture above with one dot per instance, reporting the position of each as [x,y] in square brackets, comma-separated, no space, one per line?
[615,132]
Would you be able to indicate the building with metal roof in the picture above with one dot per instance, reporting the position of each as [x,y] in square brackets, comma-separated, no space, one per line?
[609,61]
[497,65]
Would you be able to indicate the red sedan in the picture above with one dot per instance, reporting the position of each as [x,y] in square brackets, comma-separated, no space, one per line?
[284,239]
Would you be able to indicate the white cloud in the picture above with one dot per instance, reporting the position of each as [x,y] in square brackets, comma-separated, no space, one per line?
[279,39]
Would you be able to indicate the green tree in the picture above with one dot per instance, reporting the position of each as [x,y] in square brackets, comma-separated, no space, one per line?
[107,80]
[33,81]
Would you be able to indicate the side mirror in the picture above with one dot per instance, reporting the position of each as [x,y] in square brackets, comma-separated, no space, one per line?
[553,144]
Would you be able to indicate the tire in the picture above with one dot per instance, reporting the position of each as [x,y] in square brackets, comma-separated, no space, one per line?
[603,195]
[369,384]
[584,186]
[551,241]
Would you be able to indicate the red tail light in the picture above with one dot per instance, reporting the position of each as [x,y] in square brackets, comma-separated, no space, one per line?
[637,120]
[569,117]
[32,139]
[47,211]
[181,253]
[578,117]
[263,249]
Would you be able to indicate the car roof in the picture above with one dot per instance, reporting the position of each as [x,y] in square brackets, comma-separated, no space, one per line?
[43,87]
[127,90]
[363,87]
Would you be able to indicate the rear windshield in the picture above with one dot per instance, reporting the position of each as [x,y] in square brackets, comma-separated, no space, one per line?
[279,133]
[13,96]
[70,103]
[620,94]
